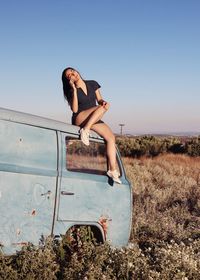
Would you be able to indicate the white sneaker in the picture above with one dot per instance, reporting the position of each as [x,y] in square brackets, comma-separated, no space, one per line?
[114,175]
[85,136]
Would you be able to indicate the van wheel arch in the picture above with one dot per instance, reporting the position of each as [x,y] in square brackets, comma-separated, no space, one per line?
[96,231]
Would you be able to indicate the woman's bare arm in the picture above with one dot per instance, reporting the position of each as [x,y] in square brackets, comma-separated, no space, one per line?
[100,100]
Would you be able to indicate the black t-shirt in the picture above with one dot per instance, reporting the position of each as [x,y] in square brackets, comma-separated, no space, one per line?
[87,101]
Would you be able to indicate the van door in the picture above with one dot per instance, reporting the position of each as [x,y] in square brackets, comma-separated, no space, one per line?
[28,176]
[86,193]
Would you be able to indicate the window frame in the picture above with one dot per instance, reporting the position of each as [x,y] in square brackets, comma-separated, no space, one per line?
[95,172]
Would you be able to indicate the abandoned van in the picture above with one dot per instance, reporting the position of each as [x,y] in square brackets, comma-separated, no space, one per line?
[50,182]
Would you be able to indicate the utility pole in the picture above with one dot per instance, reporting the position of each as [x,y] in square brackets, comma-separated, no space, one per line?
[121,125]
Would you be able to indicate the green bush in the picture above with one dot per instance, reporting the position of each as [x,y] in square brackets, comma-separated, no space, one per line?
[193,147]
[152,146]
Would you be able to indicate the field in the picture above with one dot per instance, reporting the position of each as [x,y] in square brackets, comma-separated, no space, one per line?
[165,239]
[166,197]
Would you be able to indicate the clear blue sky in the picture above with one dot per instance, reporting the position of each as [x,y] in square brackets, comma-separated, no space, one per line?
[144,53]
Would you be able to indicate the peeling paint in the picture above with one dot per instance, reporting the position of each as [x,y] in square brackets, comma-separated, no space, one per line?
[20,243]
[30,213]
[104,221]
[33,213]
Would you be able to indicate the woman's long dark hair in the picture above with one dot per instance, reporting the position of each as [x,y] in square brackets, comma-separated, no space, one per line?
[67,90]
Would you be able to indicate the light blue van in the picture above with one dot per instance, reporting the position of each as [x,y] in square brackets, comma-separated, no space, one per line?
[50,182]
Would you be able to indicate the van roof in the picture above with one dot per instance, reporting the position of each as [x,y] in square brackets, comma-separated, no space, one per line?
[34,120]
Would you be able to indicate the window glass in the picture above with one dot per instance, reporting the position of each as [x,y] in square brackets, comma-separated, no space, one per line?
[86,159]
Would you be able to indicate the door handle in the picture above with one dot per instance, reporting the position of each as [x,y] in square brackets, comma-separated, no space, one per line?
[67,193]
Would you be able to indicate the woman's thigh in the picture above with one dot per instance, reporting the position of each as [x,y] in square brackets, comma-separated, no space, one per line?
[84,115]
[103,130]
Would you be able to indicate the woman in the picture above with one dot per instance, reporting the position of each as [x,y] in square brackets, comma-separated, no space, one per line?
[82,96]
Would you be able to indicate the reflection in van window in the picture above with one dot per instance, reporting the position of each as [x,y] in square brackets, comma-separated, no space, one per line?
[87,159]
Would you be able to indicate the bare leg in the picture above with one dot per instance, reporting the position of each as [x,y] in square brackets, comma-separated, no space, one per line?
[104,130]
[90,117]
[93,115]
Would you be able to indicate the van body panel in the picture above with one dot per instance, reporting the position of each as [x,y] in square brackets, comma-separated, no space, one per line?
[28,172]
[33,120]
[26,207]
[28,146]
[85,200]
[41,196]
[89,197]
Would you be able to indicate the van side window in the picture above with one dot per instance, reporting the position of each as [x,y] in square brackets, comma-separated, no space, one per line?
[86,159]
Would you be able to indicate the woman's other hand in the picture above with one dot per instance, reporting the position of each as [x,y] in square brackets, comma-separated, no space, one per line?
[105,104]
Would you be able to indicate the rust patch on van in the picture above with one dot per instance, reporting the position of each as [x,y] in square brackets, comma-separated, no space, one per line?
[20,243]
[33,213]
[30,213]
[104,221]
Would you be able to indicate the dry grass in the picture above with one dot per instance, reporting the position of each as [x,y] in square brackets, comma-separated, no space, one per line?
[166,197]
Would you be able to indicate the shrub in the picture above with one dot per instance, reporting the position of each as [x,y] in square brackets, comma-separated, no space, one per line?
[152,146]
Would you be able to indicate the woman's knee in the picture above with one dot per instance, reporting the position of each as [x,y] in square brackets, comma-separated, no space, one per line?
[102,108]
